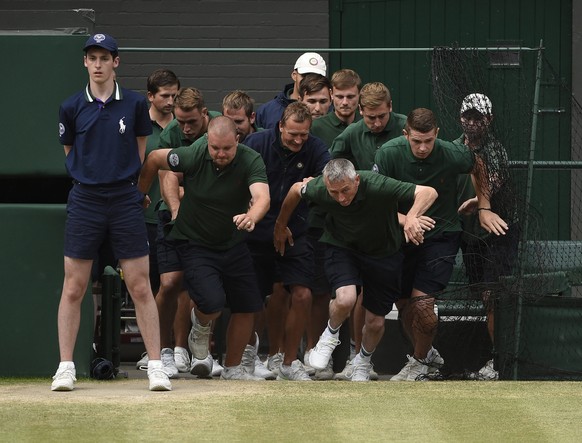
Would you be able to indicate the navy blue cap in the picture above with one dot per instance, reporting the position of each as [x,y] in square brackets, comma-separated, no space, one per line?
[103,41]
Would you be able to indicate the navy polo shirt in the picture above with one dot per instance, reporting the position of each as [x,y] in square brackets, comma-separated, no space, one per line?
[103,135]
[284,168]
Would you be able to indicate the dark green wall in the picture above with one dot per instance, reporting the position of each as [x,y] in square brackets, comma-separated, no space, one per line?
[476,23]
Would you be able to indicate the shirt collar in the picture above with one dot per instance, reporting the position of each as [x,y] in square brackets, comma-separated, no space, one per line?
[117,95]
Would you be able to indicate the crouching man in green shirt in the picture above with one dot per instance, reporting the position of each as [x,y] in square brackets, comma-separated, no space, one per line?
[363,238]
[221,177]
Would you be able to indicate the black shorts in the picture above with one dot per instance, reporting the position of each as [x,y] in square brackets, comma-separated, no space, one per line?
[95,213]
[428,266]
[379,277]
[293,268]
[216,279]
[321,285]
[168,257]
[492,257]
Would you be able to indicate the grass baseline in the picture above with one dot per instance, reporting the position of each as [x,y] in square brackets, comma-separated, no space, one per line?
[196,410]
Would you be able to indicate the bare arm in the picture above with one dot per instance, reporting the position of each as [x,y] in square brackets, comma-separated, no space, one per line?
[489,220]
[261,201]
[415,223]
[282,234]
[171,190]
[156,160]
[67,149]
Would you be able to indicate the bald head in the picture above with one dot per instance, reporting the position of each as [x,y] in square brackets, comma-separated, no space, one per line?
[222,141]
[221,126]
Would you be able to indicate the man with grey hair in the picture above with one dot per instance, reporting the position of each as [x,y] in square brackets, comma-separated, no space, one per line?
[363,239]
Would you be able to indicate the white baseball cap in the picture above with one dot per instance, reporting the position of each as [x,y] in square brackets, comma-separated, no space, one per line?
[479,102]
[310,62]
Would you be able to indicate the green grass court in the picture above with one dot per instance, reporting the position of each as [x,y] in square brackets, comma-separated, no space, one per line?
[212,410]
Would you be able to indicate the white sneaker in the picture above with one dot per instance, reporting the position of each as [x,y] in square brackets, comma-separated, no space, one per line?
[325,373]
[373,374]
[418,370]
[308,368]
[202,367]
[216,368]
[159,380]
[403,374]
[238,373]
[320,355]
[346,373]
[64,379]
[142,363]
[361,370]
[167,356]
[199,338]
[488,372]
[294,372]
[182,359]
[274,363]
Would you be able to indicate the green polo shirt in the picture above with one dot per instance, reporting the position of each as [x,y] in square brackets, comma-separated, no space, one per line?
[359,145]
[369,225]
[439,170]
[173,137]
[212,197]
[154,192]
[329,127]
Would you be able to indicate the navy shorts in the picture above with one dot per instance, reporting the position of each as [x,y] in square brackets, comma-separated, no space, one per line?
[321,285]
[293,268]
[492,257]
[216,279]
[428,266]
[168,257]
[378,276]
[98,212]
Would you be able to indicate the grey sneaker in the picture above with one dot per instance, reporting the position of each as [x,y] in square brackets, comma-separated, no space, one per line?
[262,371]
[199,338]
[182,359]
[202,367]
[488,372]
[326,373]
[238,373]
[142,363]
[274,363]
[64,379]
[320,355]
[434,360]
[293,372]
[248,359]
[159,380]
[167,356]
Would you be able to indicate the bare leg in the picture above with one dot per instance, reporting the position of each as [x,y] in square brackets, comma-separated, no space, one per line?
[240,327]
[359,314]
[136,275]
[319,318]
[277,308]
[424,323]
[340,307]
[296,321]
[167,304]
[373,331]
[77,274]
[182,321]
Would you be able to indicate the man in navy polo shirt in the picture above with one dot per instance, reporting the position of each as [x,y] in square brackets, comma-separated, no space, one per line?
[103,130]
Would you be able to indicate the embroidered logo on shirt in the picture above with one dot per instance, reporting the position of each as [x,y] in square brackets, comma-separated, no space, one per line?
[174,160]
[375,168]
[61,129]
[300,165]
[121,126]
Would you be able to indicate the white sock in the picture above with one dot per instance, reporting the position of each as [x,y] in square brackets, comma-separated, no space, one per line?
[66,365]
